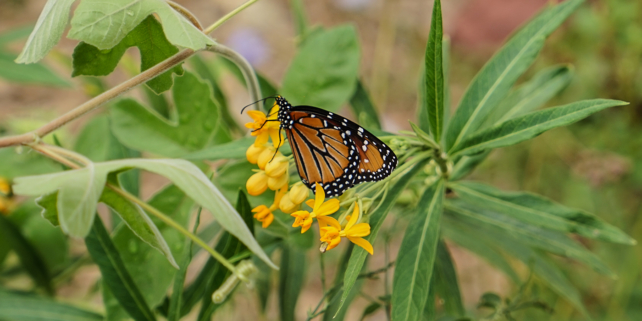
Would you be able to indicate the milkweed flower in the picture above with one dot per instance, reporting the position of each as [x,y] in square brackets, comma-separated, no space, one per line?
[275,183]
[253,153]
[264,214]
[320,210]
[332,232]
[278,166]
[294,198]
[257,183]
[265,127]
[266,156]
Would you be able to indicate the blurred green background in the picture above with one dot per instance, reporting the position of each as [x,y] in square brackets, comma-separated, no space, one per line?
[594,165]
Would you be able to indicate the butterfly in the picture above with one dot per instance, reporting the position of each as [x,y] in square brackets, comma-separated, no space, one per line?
[331,150]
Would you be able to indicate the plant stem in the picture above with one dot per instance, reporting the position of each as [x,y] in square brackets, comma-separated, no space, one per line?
[186,13]
[167,220]
[246,69]
[226,17]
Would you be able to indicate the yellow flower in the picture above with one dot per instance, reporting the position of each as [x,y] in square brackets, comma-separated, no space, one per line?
[264,127]
[5,187]
[253,153]
[333,233]
[275,183]
[320,210]
[264,213]
[257,183]
[286,205]
[298,193]
[266,155]
[278,166]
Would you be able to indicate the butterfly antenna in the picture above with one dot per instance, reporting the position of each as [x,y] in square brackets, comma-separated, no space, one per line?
[264,99]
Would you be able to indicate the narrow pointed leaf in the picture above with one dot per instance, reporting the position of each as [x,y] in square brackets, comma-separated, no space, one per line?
[467,164]
[446,283]
[415,262]
[534,236]
[47,32]
[434,85]
[363,108]
[532,94]
[115,274]
[530,125]
[291,277]
[358,257]
[494,81]
[539,211]
[17,306]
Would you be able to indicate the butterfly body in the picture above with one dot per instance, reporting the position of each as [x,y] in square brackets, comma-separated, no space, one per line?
[331,150]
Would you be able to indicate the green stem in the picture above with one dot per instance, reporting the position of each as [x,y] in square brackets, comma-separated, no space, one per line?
[226,17]
[167,220]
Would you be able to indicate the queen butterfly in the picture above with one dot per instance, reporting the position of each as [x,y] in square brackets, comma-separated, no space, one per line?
[331,150]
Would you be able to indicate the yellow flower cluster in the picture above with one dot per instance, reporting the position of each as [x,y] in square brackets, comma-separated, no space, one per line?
[273,174]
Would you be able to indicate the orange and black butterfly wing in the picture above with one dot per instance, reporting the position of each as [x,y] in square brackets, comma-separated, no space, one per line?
[375,159]
[322,152]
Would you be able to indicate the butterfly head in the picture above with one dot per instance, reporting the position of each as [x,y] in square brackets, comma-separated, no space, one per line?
[284,112]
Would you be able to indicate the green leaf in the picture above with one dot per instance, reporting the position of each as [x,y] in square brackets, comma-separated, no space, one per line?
[540,265]
[530,125]
[16,164]
[105,24]
[139,128]
[49,242]
[370,309]
[232,150]
[363,108]
[291,278]
[115,274]
[494,81]
[481,247]
[138,222]
[148,36]
[332,310]
[47,32]
[18,306]
[149,268]
[446,283]
[534,236]
[49,210]
[267,88]
[91,179]
[414,265]
[176,301]
[324,71]
[532,94]
[377,217]
[434,79]
[29,257]
[214,274]
[37,74]
[539,211]
[467,164]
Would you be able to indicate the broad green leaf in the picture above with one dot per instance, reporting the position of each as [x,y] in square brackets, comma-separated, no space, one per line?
[115,274]
[139,128]
[47,32]
[5,248]
[494,81]
[105,24]
[291,278]
[530,125]
[150,269]
[479,246]
[541,266]
[446,283]
[414,264]
[532,235]
[363,108]
[50,242]
[267,88]
[148,36]
[532,94]
[91,179]
[358,257]
[15,164]
[430,308]
[29,257]
[434,79]
[324,71]
[232,150]
[539,211]
[37,74]
[18,306]
[138,222]
[214,274]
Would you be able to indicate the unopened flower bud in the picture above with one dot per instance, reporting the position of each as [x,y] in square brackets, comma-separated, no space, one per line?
[265,156]
[275,183]
[253,153]
[257,183]
[299,193]
[286,205]
[277,166]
